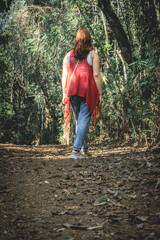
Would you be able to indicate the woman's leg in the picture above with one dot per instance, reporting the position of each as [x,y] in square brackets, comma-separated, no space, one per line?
[83,116]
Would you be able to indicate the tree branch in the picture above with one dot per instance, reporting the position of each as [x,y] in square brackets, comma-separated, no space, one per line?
[117,29]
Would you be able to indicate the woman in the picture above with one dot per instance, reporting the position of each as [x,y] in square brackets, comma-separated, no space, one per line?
[82,87]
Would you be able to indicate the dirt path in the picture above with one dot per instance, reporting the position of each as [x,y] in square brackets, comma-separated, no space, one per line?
[44,195]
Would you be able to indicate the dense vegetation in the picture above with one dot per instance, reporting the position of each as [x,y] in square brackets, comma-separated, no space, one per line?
[34,37]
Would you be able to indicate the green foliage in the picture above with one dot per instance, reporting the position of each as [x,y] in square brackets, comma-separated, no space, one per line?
[38,37]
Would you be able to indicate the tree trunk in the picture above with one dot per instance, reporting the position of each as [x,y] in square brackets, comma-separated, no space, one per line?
[106,37]
[45,96]
[128,22]
[117,29]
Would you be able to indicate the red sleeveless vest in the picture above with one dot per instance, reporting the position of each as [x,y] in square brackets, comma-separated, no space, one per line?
[81,84]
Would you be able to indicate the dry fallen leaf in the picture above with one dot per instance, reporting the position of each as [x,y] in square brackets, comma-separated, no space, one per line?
[143,218]
[131,179]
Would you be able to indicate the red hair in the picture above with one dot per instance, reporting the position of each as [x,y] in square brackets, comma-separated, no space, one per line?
[82,44]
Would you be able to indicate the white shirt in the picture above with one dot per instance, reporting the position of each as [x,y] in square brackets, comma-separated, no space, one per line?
[88,58]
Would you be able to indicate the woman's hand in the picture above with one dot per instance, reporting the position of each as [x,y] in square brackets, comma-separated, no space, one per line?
[100,99]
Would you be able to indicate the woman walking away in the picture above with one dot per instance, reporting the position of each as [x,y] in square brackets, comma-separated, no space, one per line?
[82,88]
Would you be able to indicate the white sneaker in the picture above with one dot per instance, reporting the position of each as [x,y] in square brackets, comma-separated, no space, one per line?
[76,155]
[86,154]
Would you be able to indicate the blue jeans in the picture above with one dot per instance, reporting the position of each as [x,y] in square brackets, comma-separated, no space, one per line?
[82,116]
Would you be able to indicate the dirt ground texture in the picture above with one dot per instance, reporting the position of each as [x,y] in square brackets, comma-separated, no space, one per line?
[114,195]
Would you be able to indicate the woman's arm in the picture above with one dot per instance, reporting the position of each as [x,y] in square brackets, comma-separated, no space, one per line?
[64,75]
[96,73]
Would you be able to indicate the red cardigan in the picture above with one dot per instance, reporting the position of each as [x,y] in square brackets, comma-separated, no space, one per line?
[81,84]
